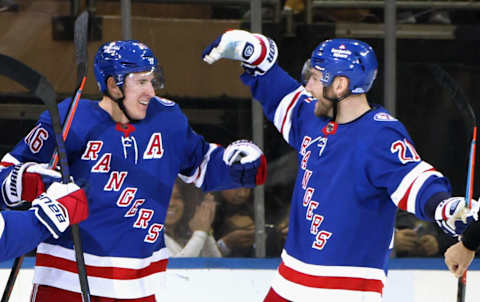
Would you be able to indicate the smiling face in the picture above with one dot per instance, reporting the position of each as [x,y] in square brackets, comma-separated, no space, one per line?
[138,91]
[176,208]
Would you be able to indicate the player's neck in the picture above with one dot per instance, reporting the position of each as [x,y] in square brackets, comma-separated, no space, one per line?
[113,110]
[352,108]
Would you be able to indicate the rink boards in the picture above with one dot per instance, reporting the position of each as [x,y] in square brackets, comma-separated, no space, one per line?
[228,279]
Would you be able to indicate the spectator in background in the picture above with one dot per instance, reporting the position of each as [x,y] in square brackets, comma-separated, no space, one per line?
[188,225]
[418,238]
[234,227]
[277,235]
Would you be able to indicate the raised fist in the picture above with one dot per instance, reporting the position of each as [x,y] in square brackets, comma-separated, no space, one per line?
[256,52]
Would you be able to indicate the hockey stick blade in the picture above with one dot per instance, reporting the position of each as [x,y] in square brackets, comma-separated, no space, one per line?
[80,40]
[454,91]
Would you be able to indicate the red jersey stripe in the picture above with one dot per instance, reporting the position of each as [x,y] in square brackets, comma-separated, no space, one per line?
[344,283]
[102,272]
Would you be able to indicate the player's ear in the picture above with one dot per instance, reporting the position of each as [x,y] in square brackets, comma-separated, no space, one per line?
[113,89]
[340,85]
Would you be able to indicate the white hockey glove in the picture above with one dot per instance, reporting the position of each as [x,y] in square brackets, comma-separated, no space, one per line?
[453,216]
[24,183]
[61,206]
[256,52]
[247,163]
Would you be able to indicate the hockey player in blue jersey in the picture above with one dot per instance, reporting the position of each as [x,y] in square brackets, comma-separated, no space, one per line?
[50,215]
[357,165]
[129,148]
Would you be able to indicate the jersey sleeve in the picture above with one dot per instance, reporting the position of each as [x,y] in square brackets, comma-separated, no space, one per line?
[394,165]
[203,164]
[285,102]
[37,146]
[20,232]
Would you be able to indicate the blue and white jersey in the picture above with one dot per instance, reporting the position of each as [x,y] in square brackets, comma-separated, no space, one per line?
[128,173]
[351,179]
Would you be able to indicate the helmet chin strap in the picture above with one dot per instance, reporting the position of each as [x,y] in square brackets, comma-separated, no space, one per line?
[119,101]
[335,101]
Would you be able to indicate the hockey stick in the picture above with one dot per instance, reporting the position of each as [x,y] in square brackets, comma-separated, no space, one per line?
[80,33]
[456,94]
[41,88]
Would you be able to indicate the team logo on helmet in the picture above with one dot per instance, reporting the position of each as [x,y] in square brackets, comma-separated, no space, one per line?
[247,51]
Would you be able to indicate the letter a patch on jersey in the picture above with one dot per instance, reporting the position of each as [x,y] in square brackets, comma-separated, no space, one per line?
[155,147]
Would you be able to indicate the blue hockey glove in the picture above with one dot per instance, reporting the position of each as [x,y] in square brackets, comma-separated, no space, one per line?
[25,182]
[61,206]
[247,163]
[453,216]
[256,52]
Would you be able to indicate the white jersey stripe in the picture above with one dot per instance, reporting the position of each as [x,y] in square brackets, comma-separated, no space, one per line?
[8,159]
[120,289]
[198,176]
[333,271]
[102,261]
[115,277]
[406,182]
[299,293]
[283,114]
[417,185]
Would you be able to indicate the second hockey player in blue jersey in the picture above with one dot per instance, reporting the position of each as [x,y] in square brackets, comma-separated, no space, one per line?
[128,148]
[357,165]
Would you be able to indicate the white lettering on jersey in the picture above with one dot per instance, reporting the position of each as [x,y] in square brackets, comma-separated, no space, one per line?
[115,181]
[402,146]
[322,143]
[316,222]
[306,177]
[305,160]
[321,240]
[155,147]
[126,197]
[153,233]
[134,209]
[91,152]
[311,206]
[143,218]
[103,165]
[308,196]
[305,143]
[35,139]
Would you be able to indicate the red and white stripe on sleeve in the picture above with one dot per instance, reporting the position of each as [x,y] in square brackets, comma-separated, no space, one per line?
[405,196]
[283,115]
[7,161]
[198,176]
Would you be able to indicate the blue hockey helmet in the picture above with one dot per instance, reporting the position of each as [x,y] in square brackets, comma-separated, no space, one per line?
[353,59]
[119,58]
